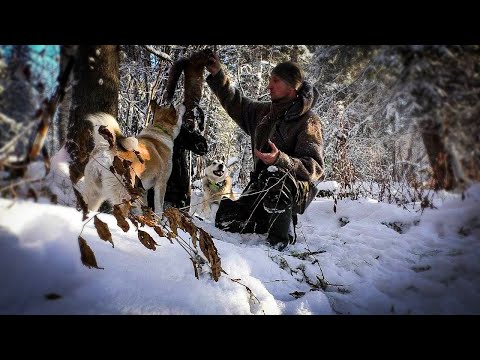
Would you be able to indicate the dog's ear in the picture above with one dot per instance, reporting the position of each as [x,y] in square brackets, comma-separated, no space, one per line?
[153,106]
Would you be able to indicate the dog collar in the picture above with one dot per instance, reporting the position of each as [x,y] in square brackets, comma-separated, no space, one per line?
[215,186]
[160,128]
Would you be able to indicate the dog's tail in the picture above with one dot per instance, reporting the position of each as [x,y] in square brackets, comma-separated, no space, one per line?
[99,119]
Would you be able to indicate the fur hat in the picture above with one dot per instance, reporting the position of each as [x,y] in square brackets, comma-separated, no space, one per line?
[289,72]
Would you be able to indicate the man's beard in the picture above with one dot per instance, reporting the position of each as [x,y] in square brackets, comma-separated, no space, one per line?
[281,100]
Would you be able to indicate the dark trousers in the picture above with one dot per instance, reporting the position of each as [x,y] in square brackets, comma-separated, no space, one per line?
[277,191]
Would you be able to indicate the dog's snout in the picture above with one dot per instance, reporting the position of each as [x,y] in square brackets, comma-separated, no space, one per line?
[221,166]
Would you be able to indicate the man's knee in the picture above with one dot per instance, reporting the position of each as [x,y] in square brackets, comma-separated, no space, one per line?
[280,190]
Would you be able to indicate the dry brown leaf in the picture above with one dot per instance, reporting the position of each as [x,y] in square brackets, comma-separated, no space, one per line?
[121,221]
[140,158]
[174,218]
[118,165]
[195,267]
[127,205]
[194,240]
[140,219]
[177,219]
[86,254]
[210,251]
[81,205]
[189,227]
[150,217]
[133,220]
[146,240]
[146,221]
[160,233]
[102,230]
[107,135]
[127,175]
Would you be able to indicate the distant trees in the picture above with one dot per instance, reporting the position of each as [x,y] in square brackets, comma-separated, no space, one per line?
[444,82]
[17,94]
[399,112]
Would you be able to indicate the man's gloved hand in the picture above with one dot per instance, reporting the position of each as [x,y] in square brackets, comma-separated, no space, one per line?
[213,65]
[268,158]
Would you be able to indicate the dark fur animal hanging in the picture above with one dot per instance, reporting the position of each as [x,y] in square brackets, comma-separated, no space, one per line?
[190,138]
[192,67]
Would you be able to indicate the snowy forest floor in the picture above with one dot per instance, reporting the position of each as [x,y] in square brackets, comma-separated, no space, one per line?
[367,258]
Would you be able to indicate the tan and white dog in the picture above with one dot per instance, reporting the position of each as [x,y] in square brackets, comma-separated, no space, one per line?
[155,146]
[216,185]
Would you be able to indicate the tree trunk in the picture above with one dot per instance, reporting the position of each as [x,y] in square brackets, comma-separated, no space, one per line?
[95,89]
[66,51]
[437,154]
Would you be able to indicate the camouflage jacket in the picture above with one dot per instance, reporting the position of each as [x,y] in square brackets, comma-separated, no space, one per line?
[292,127]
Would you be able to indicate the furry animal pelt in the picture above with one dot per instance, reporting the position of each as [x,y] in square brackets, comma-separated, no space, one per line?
[192,67]
[190,138]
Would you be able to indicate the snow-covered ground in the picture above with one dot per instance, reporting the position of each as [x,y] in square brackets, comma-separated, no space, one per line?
[367,258]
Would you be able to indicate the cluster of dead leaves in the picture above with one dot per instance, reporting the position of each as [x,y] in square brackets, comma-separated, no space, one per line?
[176,220]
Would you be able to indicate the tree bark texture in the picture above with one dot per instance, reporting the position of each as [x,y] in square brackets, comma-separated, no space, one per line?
[95,89]
[438,156]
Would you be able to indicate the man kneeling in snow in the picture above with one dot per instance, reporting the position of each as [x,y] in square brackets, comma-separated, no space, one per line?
[288,145]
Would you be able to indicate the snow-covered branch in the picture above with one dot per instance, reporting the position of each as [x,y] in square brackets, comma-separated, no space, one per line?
[160,54]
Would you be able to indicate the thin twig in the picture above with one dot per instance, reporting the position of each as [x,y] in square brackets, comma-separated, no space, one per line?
[20,182]
[14,140]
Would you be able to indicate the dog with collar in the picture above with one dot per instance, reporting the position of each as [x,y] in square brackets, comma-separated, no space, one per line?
[150,154]
[216,185]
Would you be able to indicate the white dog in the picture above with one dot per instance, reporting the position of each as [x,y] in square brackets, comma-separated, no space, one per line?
[216,185]
[155,147]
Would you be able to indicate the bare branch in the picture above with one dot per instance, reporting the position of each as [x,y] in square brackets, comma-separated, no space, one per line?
[5,119]
[163,56]
[3,150]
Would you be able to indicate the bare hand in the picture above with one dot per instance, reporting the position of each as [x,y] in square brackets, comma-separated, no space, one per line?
[213,65]
[268,158]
